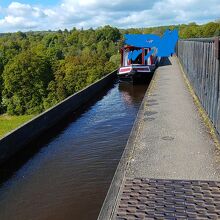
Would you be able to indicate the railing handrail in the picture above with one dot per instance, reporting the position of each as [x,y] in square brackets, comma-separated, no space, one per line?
[211,39]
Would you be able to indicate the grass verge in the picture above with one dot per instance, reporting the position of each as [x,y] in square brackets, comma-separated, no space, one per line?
[9,123]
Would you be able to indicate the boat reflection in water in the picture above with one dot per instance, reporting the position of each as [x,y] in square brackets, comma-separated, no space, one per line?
[131,92]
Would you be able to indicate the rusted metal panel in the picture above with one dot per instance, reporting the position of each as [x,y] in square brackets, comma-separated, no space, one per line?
[169,199]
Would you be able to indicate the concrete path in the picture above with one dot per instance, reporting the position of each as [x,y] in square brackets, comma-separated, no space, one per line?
[173,142]
[170,168]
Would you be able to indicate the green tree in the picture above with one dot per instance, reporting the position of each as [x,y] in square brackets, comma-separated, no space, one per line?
[210,29]
[25,81]
[1,86]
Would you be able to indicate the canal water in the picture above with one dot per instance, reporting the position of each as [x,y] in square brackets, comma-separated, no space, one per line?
[68,175]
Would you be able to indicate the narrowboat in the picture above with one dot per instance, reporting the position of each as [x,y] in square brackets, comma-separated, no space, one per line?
[138,69]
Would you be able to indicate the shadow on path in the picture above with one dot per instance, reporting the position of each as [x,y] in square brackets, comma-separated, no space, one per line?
[164,61]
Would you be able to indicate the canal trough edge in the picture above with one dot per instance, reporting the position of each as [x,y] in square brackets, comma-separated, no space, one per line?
[18,139]
[110,201]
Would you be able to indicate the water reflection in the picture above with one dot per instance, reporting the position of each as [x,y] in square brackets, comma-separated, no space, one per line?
[131,93]
[69,175]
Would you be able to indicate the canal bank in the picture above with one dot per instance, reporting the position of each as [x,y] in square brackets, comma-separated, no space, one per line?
[19,138]
[169,147]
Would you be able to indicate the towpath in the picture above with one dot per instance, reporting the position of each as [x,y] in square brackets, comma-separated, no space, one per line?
[171,168]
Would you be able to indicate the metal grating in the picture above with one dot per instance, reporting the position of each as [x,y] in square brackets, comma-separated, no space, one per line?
[169,199]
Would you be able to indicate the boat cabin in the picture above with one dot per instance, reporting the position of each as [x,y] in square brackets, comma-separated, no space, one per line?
[140,58]
[138,68]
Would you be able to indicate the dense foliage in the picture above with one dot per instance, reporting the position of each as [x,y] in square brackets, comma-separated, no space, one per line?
[39,69]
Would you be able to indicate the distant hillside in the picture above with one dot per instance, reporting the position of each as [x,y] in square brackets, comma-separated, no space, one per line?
[191,30]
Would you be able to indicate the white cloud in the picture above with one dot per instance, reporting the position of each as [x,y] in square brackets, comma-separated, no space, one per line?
[19,16]
[17,22]
[93,13]
[16,8]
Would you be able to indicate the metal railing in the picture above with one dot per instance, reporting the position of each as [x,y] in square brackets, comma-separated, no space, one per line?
[200,60]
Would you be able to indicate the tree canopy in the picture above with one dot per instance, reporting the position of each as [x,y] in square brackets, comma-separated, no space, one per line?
[39,69]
